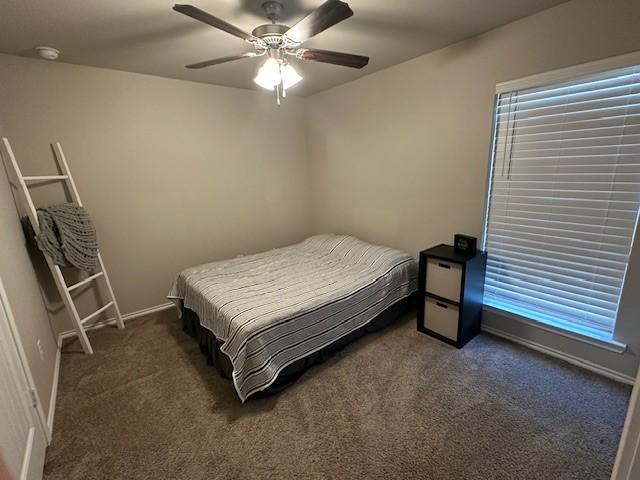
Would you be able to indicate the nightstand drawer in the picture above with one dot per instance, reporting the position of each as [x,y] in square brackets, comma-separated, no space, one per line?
[444,279]
[441,318]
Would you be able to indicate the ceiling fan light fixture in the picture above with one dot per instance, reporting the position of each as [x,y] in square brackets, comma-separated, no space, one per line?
[269,74]
[278,41]
[274,72]
[290,76]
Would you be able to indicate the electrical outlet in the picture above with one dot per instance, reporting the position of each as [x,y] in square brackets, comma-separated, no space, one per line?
[40,349]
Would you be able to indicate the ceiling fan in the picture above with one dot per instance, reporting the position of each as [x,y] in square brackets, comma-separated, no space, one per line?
[277,42]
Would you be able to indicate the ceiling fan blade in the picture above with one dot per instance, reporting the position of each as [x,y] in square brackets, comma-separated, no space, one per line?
[216,61]
[216,22]
[323,17]
[335,58]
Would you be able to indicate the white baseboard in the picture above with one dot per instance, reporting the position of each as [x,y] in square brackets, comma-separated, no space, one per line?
[71,333]
[54,389]
[580,362]
[125,317]
[26,459]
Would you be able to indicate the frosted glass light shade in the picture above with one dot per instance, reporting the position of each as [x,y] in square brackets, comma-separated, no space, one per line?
[289,76]
[272,73]
[269,74]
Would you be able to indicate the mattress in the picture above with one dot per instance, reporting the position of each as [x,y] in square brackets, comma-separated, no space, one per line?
[273,308]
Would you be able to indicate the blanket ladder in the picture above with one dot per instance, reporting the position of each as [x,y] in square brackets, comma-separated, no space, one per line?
[21,183]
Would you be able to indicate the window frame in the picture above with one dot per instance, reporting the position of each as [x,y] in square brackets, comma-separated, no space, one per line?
[582,72]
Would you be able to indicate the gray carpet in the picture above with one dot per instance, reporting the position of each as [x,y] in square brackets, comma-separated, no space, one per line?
[395,404]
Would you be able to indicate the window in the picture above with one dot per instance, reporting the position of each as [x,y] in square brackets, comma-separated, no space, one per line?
[564,193]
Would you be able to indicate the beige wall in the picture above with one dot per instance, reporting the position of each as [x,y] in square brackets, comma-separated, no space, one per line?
[174,173]
[400,157]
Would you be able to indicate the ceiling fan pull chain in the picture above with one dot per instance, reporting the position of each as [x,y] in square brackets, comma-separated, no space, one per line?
[284,90]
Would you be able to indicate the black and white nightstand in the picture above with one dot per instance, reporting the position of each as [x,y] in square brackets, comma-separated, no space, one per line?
[451,287]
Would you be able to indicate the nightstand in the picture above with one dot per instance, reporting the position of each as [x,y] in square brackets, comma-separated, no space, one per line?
[451,287]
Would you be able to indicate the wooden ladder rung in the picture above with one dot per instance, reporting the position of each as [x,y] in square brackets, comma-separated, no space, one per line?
[41,178]
[94,314]
[85,281]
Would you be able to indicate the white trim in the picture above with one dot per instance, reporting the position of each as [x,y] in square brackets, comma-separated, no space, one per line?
[111,321]
[628,456]
[580,362]
[570,73]
[6,305]
[26,460]
[54,388]
[610,345]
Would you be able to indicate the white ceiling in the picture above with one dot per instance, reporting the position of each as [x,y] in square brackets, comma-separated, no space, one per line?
[147,36]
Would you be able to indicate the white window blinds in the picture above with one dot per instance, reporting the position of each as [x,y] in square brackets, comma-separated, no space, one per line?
[563,200]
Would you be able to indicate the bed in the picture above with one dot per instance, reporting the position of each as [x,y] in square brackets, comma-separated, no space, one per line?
[264,318]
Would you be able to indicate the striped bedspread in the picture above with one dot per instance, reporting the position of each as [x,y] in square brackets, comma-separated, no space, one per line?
[276,307]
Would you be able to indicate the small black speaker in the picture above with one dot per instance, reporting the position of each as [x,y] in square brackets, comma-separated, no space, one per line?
[465,244]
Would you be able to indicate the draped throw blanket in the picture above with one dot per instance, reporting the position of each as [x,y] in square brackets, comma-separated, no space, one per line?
[276,307]
[68,236]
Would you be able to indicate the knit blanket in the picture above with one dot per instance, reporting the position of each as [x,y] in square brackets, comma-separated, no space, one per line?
[68,236]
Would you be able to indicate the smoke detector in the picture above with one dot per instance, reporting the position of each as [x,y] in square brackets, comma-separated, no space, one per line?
[48,53]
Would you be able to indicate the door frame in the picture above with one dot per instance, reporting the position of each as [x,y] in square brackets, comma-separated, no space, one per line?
[25,371]
[628,457]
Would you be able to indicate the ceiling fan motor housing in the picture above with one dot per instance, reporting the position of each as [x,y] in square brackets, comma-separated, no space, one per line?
[271,33]
[276,41]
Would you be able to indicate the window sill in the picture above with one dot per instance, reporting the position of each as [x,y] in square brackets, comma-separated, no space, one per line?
[604,343]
